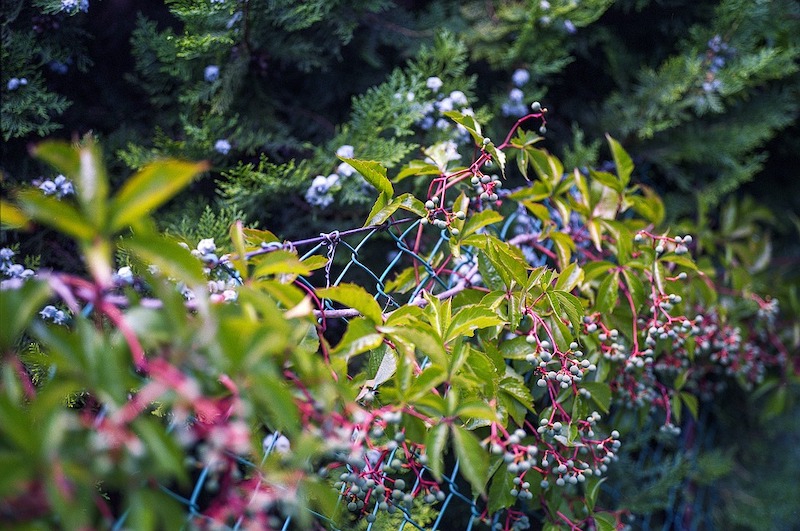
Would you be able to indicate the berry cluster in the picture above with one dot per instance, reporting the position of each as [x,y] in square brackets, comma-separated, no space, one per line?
[717,53]
[14,275]
[60,186]
[14,83]
[563,369]
[74,6]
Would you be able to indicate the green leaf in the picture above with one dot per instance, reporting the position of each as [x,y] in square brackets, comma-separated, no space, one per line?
[607,294]
[605,522]
[170,258]
[425,381]
[416,168]
[59,215]
[420,336]
[164,451]
[607,179]
[650,206]
[476,409]
[469,123]
[690,401]
[359,337]
[622,160]
[12,216]
[472,458]
[84,164]
[601,394]
[280,262]
[374,173]
[355,297]
[592,491]
[62,156]
[500,490]
[569,278]
[517,389]
[564,247]
[383,212]
[516,348]
[572,306]
[480,220]
[635,287]
[469,319]
[435,444]
[149,188]
[18,308]
[273,397]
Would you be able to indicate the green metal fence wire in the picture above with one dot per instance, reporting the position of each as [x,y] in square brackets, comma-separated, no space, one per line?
[346,261]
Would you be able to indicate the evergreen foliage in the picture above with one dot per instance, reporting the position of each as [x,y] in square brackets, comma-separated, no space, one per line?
[306,112]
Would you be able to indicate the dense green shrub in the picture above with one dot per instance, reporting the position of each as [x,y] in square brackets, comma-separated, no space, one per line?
[554,323]
[535,317]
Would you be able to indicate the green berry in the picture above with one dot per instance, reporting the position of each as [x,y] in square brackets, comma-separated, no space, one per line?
[536,106]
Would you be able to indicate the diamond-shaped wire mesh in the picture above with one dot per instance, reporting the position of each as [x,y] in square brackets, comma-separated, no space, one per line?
[346,262]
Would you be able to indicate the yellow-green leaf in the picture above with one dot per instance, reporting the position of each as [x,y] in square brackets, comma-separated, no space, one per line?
[59,215]
[151,187]
[355,297]
[374,173]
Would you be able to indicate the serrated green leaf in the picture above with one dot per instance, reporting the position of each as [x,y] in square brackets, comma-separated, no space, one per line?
[355,297]
[360,336]
[622,161]
[569,278]
[416,168]
[476,409]
[607,179]
[425,381]
[469,319]
[518,391]
[572,306]
[607,294]
[472,458]
[605,522]
[635,288]
[469,123]
[564,247]
[500,490]
[149,188]
[374,173]
[480,220]
[435,444]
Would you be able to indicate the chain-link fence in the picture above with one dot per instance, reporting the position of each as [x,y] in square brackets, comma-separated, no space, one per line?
[370,257]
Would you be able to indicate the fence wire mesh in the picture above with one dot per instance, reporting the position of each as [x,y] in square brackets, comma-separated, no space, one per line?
[351,257]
